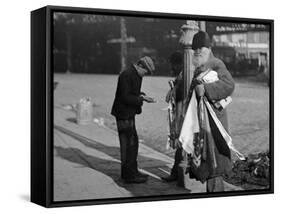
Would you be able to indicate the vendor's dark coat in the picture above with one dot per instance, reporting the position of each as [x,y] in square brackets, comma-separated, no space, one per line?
[216,91]
[220,89]
[127,102]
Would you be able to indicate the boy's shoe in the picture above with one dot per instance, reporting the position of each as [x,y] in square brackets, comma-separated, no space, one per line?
[136,179]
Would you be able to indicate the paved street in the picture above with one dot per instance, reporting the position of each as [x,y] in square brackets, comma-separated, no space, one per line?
[87,164]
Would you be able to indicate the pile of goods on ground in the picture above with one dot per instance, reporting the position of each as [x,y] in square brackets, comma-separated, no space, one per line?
[253,173]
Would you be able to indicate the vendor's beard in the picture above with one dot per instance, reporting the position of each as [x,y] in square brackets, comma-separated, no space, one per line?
[201,59]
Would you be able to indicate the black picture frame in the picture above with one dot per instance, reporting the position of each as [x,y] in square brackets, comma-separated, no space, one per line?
[42,105]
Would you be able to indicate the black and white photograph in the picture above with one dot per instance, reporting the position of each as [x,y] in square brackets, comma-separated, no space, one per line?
[147,106]
[132,106]
[140,106]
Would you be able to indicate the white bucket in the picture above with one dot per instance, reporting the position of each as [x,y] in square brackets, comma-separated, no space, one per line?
[84,111]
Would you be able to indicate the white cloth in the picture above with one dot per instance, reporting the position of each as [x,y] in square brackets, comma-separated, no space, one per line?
[190,126]
[191,123]
[208,76]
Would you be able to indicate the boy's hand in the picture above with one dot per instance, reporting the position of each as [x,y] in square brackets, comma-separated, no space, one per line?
[148,99]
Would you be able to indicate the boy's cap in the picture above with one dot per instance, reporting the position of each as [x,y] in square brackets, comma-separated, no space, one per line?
[148,63]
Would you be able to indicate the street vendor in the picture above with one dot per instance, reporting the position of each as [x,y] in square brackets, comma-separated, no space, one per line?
[210,148]
[175,94]
[127,104]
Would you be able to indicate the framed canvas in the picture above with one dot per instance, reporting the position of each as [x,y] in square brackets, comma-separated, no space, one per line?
[134,106]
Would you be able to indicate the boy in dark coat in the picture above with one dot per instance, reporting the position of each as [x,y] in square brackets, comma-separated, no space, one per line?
[215,91]
[127,103]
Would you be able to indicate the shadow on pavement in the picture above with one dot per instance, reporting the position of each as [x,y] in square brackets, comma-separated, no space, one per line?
[111,168]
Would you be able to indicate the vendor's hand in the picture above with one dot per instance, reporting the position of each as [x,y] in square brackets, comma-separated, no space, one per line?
[148,99]
[200,90]
[178,144]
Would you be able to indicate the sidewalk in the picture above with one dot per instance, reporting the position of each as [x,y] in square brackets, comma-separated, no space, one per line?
[87,164]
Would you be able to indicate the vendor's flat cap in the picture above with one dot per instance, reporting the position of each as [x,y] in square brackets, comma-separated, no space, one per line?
[200,40]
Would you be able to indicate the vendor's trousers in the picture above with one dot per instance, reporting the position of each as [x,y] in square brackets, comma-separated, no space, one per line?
[129,145]
[215,184]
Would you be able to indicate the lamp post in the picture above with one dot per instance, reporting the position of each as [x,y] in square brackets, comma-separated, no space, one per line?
[188,31]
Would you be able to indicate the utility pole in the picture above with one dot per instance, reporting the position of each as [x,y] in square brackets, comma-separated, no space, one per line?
[68,53]
[123,43]
[123,40]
